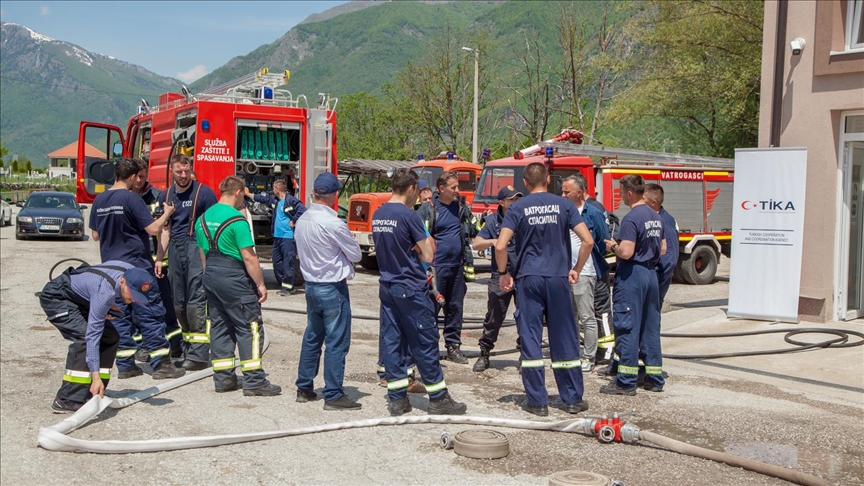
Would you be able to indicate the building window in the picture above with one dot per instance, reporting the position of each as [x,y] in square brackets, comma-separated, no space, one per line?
[855,25]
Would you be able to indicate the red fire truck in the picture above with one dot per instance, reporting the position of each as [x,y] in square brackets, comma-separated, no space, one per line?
[698,191]
[251,127]
[362,206]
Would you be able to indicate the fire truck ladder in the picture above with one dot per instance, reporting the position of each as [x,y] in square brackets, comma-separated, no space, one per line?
[642,156]
[251,87]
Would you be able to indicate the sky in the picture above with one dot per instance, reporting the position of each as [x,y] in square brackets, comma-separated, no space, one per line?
[183,40]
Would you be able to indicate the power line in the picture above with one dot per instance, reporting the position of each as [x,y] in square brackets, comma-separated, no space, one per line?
[12,78]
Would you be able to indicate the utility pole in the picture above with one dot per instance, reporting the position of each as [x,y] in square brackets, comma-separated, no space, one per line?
[476,86]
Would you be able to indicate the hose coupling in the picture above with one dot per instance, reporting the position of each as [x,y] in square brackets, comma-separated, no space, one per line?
[446,441]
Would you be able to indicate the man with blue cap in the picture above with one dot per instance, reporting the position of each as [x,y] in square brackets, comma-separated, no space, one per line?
[82,303]
[327,252]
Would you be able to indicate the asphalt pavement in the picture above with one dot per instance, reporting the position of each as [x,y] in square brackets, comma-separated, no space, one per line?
[803,410]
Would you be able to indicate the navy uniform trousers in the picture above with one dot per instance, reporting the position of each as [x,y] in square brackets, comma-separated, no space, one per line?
[284,256]
[450,281]
[408,330]
[148,318]
[232,301]
[636,318]
[68,313]
[172,327]
[189,299]
[548,297]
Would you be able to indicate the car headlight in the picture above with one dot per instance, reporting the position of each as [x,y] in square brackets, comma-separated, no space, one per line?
[74,220]
[25,219]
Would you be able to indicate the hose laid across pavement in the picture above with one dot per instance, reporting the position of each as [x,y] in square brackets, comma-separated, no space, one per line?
[790,475]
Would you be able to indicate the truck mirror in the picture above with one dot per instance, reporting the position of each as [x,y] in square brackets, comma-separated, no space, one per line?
[117,149]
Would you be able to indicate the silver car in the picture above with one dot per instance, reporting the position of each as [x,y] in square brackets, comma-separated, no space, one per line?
[5,212]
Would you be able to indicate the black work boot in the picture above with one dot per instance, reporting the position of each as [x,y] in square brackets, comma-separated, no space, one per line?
[142,355]
[446,406]
[166,370]
[482,363]
[65,406]
[399,407]
[190,365]
[455,355]
[268,390]
[136,371]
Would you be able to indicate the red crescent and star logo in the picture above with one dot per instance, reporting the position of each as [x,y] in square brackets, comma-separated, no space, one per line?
[748,205]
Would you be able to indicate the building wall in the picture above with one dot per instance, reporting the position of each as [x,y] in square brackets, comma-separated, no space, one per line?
[817,87]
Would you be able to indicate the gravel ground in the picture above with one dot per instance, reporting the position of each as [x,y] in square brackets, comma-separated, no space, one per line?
[774,423]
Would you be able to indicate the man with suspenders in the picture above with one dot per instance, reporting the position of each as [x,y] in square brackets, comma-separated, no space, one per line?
[81,303]
[190,199]
[234,287]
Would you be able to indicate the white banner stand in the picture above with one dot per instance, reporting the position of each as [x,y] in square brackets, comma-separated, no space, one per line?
[767,233]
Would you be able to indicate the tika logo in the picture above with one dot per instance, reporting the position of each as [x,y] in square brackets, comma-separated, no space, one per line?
[616,200]
[710,196]
[768,206]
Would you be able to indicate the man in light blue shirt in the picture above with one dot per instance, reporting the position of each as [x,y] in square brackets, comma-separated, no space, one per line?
[327,250]
[286,209]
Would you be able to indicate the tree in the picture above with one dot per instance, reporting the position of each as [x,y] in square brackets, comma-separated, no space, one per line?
[701,68]
[14,166]
[369,129]
[531,88]
[591,72]
[435,94]
[29,165]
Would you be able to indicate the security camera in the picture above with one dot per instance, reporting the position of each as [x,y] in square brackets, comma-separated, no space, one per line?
[797,46]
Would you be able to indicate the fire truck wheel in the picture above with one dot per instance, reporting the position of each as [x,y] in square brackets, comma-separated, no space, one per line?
[678,274]
[369,262]
[699,267]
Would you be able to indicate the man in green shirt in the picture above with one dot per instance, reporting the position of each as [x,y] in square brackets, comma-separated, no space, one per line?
[235,289]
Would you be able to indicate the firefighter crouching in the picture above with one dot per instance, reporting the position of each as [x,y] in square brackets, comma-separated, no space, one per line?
[78,303]
[234,286]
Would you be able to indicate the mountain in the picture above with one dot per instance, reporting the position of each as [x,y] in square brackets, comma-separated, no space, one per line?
[48,86]
[360,50]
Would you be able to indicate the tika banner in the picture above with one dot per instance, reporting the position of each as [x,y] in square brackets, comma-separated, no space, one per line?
[767,233]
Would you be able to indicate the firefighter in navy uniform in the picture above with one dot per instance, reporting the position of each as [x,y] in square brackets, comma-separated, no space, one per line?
[234,287]
[190,198]
[122,223]
[286,209]
[444,220]
[541,224]
[498,301]
[150,195]
[408,328]
[654,196]
[635,294]
[78,303]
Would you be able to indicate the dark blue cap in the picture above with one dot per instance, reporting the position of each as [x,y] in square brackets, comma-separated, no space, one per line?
[141,285]
[326,183]
[508,192]
[422,183]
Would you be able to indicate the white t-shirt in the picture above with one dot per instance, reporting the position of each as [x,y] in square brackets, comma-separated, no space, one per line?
[575,245]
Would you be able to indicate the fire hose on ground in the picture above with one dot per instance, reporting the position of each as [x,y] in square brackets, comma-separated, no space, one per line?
[56,438]
[607,430]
